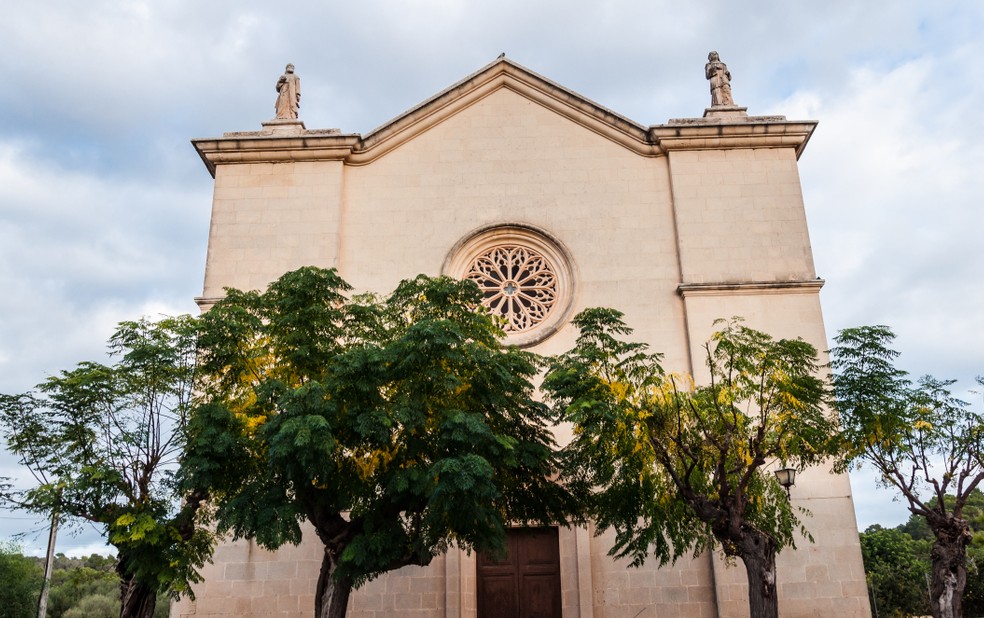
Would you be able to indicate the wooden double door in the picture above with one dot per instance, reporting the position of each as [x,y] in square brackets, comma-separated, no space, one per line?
[525,583]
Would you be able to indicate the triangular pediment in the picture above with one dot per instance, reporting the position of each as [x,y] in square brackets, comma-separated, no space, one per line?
[504,73]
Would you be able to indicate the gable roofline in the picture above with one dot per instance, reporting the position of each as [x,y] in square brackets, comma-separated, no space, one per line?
[293,143]
[506,73]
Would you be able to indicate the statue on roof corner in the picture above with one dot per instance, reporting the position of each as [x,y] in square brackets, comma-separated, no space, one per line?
[720,78]
[289,94]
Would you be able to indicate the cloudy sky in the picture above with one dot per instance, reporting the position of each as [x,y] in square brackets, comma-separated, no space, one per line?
[104,205]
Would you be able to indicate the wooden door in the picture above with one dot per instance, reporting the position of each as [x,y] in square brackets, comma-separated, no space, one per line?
[525,583]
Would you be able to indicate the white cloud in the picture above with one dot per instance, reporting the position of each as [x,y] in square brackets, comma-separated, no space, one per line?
[79,253]
[104,205]
[891,185]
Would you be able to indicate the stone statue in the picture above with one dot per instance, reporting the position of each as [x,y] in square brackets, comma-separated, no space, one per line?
[717,72]
[289,97]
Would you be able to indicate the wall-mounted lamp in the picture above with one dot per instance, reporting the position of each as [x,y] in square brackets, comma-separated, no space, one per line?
[786,478]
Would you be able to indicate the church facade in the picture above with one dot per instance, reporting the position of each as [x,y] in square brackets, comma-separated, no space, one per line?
[674,224]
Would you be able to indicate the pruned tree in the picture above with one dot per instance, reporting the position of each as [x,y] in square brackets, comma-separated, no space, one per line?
[675,468]
[396,428]
[103,443]
[926,444]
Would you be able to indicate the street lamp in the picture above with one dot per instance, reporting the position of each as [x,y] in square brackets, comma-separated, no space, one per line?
[786,478]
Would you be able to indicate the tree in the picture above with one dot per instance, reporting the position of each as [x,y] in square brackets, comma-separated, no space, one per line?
[923,441]
[973,599]
[20,583]
[395,427]
[94,606]
[676,468]
[897,562]
[73,580]
[103,442]
[896,566]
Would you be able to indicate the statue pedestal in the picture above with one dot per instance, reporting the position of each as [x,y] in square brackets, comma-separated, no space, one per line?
[283,126]
[715,116]
[725,111]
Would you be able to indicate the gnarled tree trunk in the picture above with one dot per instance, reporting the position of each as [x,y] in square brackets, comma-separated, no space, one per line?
[138,600]
[949,564]
[332,595]
[758,553]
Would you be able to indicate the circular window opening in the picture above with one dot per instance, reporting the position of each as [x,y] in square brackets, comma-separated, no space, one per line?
[525,277]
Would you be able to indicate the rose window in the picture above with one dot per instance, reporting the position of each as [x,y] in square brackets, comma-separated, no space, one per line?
[525,275]
[517,283]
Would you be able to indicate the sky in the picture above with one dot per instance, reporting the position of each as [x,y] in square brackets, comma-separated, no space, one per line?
[104,204]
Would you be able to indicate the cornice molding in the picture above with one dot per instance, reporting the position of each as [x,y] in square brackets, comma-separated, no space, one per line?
[207,302]
[808,286]
[276,144]
[262,147]
[740,132]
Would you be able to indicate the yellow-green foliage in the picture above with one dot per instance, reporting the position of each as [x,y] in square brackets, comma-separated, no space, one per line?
[672,465]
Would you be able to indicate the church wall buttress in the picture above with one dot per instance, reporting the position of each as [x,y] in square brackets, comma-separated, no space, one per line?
[269,218]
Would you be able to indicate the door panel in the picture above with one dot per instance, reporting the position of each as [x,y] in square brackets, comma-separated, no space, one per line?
[525,583]
[539,594]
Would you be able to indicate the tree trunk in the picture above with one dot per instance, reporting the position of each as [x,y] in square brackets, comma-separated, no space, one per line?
[332,595]
[758,552]
[49,562]
[138,600]
[949,558]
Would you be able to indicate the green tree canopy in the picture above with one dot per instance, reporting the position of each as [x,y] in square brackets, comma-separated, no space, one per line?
[925,443]
[897,568]
[673,467]
[20,583]
[103,442]
[72,581]
[395,427]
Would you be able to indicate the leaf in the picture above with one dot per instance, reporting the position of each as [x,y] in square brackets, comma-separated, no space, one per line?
[396,425]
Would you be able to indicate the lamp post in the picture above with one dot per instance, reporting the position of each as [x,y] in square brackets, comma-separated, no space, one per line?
[786,478]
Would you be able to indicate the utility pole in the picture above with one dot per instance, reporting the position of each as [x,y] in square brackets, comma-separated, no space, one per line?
[874,601]
[48,565]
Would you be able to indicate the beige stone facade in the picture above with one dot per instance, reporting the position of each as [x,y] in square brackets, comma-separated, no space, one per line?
[674,224]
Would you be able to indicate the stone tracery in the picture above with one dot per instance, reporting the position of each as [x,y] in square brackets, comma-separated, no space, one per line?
[518,283]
